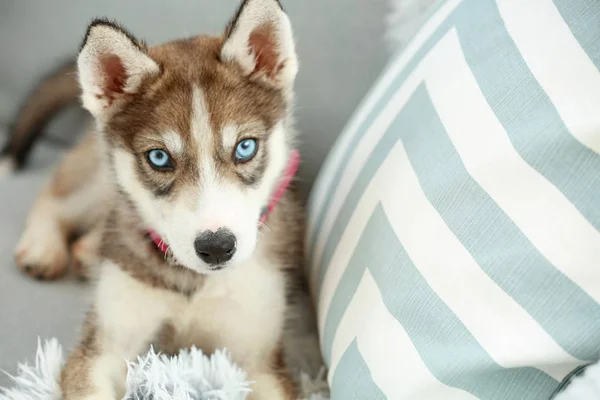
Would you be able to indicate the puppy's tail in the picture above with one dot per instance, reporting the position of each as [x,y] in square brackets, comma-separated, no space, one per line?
[56,91]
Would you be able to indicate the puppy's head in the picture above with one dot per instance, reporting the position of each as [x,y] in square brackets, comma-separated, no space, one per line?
[197,130]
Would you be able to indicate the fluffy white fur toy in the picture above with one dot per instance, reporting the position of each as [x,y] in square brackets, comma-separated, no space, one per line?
[583,385]
[190,375]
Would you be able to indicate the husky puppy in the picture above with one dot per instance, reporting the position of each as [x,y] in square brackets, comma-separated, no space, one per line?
[182,191]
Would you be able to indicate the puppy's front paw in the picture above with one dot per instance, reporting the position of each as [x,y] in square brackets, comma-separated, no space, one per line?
[96,397]
[42,252]
[272,386]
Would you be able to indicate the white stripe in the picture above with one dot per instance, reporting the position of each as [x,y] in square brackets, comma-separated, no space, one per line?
[326,176]
[537,207]
[385,179]
[558,62]
[202,132]
[387,349]
[508,333]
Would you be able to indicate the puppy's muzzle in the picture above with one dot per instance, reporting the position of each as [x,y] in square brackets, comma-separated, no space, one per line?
[215,248]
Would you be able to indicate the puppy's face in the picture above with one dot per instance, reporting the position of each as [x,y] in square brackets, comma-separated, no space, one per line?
[197,129]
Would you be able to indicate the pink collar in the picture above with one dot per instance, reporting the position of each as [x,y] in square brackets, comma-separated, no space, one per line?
[289,173]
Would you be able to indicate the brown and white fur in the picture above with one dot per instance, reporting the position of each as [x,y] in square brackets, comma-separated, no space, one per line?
[195,99]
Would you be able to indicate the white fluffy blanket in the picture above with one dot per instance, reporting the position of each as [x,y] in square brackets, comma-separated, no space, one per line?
[190,375]
[582,386]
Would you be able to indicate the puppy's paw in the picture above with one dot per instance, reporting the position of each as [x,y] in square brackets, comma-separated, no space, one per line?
[42,252]
[99,397]
[272,386]
[95,396]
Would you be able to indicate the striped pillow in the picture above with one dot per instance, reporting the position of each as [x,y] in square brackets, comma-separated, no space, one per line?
[454,231]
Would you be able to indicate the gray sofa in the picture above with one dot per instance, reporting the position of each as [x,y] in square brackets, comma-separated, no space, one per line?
[341,50]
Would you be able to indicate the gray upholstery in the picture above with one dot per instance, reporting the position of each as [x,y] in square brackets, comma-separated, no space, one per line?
[341,49]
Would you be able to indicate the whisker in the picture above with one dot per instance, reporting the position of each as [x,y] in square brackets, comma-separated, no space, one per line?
[263,225]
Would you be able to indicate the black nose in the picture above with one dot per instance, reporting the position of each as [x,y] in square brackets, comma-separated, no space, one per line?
[215,247]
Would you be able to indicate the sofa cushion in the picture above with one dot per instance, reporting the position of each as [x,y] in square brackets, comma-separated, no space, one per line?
[453,233]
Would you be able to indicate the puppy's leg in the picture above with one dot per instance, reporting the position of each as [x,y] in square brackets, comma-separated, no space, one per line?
[85,252]
[127,315]
[92,373]
[73,201]
[274,382]
[98,377]
[272,386]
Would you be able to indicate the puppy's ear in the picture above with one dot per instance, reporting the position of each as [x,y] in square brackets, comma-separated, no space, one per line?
[112,65]
[260,40]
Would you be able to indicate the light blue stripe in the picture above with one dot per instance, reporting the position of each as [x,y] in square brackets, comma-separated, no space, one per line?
[352,378]
[524,109]
[582,17]
[390,91]
[564,310]
[561,307]
[447,348]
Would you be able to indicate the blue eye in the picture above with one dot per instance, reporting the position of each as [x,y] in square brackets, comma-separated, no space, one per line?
[159,159]
[245,150]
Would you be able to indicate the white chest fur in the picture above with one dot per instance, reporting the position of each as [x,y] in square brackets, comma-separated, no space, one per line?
[241,310]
